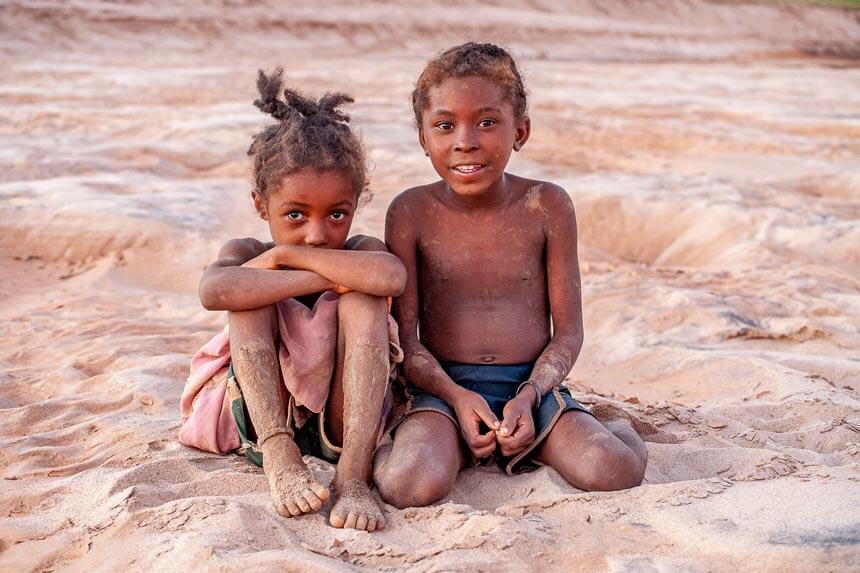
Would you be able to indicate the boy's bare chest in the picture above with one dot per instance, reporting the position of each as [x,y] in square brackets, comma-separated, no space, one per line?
[484,256]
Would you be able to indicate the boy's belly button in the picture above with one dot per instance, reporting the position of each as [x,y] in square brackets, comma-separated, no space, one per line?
[488,359]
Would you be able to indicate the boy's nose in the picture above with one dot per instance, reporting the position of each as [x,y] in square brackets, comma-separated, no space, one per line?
[466,140]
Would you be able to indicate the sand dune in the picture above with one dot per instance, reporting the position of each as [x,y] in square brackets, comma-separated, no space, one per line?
[710,149]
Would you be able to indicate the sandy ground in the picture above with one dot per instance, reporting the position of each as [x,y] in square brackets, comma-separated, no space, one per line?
[711,150]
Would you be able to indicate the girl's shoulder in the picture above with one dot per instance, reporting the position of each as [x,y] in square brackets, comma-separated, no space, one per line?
[244,248]
[364,243]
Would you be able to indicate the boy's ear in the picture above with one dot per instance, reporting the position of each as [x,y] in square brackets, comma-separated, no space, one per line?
[422,142]
[524,129]
[260,205]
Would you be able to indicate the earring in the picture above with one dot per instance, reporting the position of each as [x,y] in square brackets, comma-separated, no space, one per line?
[426,153]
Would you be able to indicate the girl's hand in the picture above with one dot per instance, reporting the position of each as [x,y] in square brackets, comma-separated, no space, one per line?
[471,410]
[517,430]
[266,261]
[340,289]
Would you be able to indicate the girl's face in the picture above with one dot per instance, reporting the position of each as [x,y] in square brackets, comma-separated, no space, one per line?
[310,208]
[469,130]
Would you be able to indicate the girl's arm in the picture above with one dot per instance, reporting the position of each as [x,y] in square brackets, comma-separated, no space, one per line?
[363,265]
[244,277]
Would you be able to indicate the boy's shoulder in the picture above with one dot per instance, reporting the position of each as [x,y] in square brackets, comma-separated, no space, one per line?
[414,197]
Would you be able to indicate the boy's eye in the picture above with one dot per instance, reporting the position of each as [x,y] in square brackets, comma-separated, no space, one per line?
[338,215]
[487,123]
[444,125]
[295,215]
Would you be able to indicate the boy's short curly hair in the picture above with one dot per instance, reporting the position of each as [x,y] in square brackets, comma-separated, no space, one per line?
[471,59]
[310,133]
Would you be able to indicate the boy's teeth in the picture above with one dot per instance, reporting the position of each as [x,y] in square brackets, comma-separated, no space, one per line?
[467,168]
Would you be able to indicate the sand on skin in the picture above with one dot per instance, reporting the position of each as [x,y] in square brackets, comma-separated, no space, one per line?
[711,152]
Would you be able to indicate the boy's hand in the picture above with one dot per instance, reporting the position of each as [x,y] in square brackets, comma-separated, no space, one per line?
[518,427]
[471,410]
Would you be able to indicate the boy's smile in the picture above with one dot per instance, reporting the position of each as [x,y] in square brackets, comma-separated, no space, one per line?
[310,208]
[469,131]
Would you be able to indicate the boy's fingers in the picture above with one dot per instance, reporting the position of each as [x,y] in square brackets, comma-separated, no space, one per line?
[487,416]
[509,425]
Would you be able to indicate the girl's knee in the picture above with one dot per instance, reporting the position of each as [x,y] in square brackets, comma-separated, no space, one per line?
[358,303]
[253,320]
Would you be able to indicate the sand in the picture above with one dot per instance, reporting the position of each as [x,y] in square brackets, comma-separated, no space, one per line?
[711,150]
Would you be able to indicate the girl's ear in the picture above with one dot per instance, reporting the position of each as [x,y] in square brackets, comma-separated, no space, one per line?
[260,205]
[524,128]
[422,142]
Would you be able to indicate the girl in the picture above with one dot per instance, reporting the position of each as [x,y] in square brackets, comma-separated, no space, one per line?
[309,369]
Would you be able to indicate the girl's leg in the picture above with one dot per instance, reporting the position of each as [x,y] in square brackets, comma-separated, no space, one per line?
[422,464]
[253,340]
[355,405]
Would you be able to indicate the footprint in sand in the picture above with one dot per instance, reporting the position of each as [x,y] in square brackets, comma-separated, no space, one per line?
[294,490]
[356,508]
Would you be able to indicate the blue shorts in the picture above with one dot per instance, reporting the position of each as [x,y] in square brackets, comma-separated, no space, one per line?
[497,384]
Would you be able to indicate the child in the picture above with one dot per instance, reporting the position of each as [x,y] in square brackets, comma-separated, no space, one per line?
[494,288]
[309,173]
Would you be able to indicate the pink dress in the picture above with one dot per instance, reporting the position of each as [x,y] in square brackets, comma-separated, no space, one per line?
[307,355]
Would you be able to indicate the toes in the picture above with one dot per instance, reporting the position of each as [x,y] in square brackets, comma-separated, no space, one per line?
[282,510]
[336,520]
[293,508]
[313,500]
[321,492]
[361,522]
[371,524]
[303,504]
[380,523]
[350,521]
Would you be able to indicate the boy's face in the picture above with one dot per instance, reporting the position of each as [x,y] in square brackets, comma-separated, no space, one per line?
[469,130]
[310,208]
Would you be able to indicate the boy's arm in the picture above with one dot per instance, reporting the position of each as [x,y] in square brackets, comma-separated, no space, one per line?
[244,277]
[363,265]
[420,366]
[565,294]
[565,297]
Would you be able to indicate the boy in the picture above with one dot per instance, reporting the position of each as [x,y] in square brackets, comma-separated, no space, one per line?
[494,288]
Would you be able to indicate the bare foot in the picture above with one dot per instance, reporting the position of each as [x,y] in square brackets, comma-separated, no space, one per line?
[610,415]
[356,508]
[294,489]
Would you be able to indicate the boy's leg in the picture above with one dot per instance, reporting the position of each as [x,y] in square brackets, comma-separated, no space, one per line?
[593,456]
[355,405]
[253,341]
[422,464]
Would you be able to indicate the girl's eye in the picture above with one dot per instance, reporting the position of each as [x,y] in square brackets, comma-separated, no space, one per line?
[487,123]
[444,126]
[295,215]
[338,216]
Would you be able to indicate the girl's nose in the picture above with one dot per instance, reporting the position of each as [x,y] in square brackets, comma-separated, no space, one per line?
[466,140]
[316,235]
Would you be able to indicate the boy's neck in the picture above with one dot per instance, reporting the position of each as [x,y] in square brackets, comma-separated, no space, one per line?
[495,196]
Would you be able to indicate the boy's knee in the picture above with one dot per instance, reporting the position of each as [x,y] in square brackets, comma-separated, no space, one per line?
[611,469]
[414,484]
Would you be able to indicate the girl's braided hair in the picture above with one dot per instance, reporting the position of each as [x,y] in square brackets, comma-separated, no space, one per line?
[310,134]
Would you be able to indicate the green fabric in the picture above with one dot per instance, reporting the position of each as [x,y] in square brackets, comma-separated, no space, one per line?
[308,438]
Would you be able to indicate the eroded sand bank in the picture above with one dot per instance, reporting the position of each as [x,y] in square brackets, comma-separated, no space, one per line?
[711,151]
